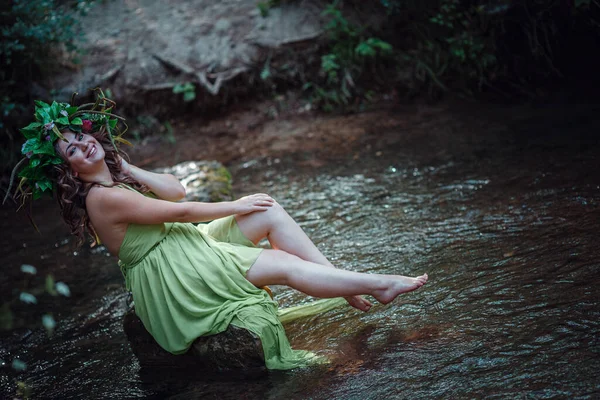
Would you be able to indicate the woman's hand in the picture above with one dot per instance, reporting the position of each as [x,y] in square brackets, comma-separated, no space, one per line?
[125,167]
[165,186]
[252,203]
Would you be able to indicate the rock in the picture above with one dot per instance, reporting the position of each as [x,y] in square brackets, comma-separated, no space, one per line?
[206,181]
[235,348]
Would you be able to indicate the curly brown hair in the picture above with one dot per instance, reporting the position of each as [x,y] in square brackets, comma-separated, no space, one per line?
[72,191]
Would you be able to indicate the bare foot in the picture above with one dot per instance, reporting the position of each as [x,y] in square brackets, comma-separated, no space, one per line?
[398,284]
[359,303]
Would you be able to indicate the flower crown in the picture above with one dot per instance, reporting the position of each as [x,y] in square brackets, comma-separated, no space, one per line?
[50,121]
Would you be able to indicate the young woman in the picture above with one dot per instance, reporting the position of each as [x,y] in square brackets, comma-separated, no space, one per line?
[188,281]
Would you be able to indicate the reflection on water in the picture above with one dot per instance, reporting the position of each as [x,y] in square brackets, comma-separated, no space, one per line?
[504,217]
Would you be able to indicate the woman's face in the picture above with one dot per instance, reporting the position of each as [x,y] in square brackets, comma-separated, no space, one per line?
[82,151]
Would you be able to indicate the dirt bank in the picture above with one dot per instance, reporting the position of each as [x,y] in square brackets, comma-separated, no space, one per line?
[256,130]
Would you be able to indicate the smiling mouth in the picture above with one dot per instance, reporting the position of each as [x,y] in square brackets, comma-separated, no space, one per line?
[92,151]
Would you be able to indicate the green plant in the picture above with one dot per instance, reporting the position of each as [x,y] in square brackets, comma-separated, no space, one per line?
[169,132]
[188,89]
[452,45]
[265,6]
[351,50]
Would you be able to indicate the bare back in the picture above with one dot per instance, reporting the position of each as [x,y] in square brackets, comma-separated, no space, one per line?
[110,231]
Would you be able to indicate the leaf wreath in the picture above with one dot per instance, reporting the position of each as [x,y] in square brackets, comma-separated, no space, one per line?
[50,121]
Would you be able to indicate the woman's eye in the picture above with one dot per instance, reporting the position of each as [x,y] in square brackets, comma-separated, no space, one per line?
[72,151]
[81,137]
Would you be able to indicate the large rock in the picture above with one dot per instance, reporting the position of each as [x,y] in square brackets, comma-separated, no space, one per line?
[235,348]
[206,181]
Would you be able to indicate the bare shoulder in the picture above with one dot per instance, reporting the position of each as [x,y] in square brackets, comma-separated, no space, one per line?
[120,205]
[101,197]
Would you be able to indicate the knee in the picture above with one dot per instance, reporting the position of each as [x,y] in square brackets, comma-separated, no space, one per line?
[287,264]
[275,213]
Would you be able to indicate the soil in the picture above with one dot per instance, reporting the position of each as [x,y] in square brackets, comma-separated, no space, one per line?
[258,130]
[139,50]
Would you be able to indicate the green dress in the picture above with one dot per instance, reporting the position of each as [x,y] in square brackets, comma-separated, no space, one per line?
[189,281]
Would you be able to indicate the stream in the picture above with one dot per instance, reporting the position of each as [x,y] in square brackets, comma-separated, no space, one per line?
[500,208]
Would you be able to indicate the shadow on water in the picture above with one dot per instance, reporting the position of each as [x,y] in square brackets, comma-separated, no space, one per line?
[500,207]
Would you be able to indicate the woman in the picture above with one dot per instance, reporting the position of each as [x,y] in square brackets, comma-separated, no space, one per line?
[190,281]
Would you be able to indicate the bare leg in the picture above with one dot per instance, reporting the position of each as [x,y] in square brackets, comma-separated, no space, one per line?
[276,267]
[282,231]
[285,234]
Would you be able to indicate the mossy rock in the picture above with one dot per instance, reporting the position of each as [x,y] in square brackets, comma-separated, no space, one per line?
[206,181]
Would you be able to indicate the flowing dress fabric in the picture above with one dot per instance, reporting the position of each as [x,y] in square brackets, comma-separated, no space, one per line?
[189,281]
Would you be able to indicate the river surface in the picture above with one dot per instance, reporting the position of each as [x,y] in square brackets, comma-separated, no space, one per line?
[501,208]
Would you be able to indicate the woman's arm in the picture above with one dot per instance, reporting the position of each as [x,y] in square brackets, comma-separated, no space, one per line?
[119,205]
[165,186]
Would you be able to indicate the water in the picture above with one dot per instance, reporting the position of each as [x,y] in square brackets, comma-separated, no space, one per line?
[502,212]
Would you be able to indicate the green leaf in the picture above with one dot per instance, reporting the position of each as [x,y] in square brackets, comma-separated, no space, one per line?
[26,172]
[364,49]
[75,128]
[31,130]
[6,317]
[112,123]
[54,111]
[385,47]
[49,323]
[45,147]
[71,110]
[265,73]
[63,289]
[27,298]
[34,162]
[41,104]
[63,120]
[50,285]
[30,145]
[44,185]
[189,96]
[28,269]
[42,116]
[180,88]
[76,121]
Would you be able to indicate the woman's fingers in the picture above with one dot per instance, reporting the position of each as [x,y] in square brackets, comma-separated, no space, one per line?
[256,202]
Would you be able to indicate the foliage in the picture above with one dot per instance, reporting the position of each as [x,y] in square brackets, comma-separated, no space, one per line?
[459,46]
[451,44]
[188,89]
[31,290]
[348,56]
[265,6]
[468,46]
